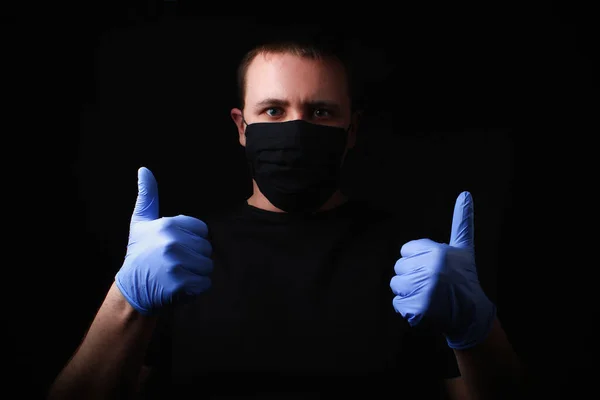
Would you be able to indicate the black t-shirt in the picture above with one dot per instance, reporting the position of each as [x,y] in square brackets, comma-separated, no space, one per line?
[301,308]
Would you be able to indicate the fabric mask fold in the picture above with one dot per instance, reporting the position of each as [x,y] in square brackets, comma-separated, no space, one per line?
[296,164]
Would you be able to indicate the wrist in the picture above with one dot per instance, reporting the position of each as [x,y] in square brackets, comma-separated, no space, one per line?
[120,304]
[477,328]
[130,298]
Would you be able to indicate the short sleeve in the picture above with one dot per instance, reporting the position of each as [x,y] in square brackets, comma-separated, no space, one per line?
[428,347]
[425,346]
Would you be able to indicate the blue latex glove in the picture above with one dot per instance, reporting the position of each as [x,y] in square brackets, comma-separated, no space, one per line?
[168,259]
[439,281]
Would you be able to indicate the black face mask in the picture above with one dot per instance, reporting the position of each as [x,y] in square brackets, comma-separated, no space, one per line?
[296,164]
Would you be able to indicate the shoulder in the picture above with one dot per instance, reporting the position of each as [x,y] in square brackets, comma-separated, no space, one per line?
[395,226]
[369,214]
[220,217]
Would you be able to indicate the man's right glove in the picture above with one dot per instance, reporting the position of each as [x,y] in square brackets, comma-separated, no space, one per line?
[168,259]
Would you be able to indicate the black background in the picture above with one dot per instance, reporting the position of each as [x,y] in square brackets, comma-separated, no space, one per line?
[494,100]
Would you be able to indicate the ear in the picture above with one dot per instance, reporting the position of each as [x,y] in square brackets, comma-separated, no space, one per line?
[238,119]
[356,116]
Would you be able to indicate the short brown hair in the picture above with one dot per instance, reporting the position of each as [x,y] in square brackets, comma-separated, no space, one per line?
[311,49]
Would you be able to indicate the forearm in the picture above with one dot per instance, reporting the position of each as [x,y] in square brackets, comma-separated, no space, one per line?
[492,370]
[108,361]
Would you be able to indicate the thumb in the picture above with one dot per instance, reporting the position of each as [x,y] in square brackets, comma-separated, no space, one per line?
[462,234]
[146,205]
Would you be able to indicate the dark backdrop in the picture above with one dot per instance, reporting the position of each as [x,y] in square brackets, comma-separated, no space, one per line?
[494,101]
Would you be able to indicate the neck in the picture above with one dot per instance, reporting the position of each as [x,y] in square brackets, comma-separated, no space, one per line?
[259,200]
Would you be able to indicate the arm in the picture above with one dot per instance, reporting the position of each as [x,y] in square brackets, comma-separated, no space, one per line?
[167,259]
[439,282]
[491,369]
[108,362]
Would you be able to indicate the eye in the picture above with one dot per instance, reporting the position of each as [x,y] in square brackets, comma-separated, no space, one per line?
[322,113]
[273,111]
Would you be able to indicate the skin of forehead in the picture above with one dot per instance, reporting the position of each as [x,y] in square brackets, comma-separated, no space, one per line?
[294,78]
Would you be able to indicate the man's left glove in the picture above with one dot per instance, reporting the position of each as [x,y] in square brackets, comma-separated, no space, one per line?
[439,282]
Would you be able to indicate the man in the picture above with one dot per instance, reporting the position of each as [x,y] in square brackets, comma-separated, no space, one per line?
[288,294]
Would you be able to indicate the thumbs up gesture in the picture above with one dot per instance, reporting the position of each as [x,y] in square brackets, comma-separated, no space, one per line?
[439,282]
[168,259]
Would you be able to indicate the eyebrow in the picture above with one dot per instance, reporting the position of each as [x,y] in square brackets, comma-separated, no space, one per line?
[272,102]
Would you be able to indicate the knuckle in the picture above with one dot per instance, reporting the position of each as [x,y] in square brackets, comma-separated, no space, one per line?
[170,245]
[167,223]
[439,253]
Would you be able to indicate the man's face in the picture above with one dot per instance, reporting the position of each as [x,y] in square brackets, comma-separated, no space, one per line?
[284,87]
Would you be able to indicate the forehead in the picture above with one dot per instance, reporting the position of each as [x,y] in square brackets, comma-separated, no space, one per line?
[294,78]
